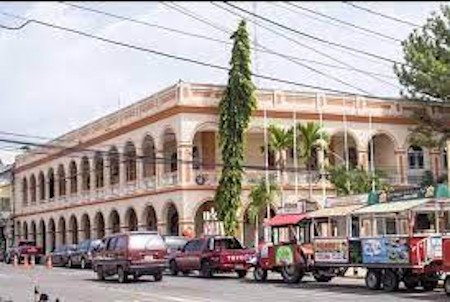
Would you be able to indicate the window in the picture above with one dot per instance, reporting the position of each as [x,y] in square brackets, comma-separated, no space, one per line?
[415,158]
[121,243]
[111,243]
[195,158]
[391,227]
[189,247]
[227,244]
[146,241]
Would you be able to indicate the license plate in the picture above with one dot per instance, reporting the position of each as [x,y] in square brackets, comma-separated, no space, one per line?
[239,266]
[148,258]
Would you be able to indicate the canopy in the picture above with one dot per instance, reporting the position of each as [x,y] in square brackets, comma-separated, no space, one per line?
[335,211]
[391,207]
[286,219]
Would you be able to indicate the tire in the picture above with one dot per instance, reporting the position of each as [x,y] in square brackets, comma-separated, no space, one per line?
[158,276]
[83,263]
[260,274]
[186,273]
[447,285]
[205,269]
[100,275]
[241,274]
[136,277]
[173,267]
[69,263]
[122,275]
[390,281]
[373,280]
[429,285]
[321,278]
[292,274]
[411,284]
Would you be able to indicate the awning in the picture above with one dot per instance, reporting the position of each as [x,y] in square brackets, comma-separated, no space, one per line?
[335,211]
[286,219]
[391,207]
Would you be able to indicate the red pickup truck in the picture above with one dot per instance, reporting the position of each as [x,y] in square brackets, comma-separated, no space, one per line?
[24,248]
[211,254]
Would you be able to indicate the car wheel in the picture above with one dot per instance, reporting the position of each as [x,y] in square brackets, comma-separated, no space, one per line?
[390,281]
[173,268]
[429,285]
[158,277]
[205,269]
[373,279]
[292,274]
[260,274]
[123,277]
[100,275]
[69,263]
[83,263]
[241,274]
[321,278]
[447,285]
[410,282]
[136,276]
[185,273]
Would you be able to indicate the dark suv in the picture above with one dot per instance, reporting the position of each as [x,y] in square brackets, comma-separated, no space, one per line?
[135,253]
[82,256]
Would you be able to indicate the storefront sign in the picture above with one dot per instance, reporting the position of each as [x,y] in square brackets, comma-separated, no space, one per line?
[346,200]
[407,194]
[385,250]
[331,250]
[284,255]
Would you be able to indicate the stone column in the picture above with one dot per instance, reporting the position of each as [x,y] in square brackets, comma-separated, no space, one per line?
[435,162]
[92,175]
[162,227]
[401,158]
[159,167]
[184,163]
[122,172]
[139,170]
[363,159]
[106,172]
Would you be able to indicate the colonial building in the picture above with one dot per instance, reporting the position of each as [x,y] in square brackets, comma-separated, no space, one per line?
[6,221]
[155,164]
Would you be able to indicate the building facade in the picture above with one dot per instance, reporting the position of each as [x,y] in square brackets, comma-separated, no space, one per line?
[155,164]
[6,207]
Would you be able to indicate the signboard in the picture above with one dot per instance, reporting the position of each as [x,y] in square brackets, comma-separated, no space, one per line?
[385,250]
[346,200]
[331,250]
[284,255]
[407,194]
[434,247]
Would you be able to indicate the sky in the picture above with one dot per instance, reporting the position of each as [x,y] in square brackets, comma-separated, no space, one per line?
[52,81]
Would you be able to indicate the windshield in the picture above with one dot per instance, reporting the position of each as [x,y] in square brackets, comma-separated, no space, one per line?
[227,244]
[22,243]
[175,242]
[146,241]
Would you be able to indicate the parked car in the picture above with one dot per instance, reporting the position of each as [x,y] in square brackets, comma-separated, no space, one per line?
[212,254]
[83,254]
[24,248]
[174,244]
[135,253]
[61,255]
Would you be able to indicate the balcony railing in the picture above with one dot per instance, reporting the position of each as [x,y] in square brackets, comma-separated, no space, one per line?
[149,183]
[206,177]
[169,179]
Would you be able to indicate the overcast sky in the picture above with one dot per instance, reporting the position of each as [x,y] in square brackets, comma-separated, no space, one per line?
[52,81]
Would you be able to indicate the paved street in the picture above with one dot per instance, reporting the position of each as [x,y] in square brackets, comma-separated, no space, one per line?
[76,285]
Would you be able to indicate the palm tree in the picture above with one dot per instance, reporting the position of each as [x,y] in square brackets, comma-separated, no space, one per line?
[261,198]
[311,137]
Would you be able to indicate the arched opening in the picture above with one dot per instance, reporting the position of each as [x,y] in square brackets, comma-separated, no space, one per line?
[33,232]
[415,158]
[33,188]
[62,231]
[383,154]
[204,151]
[73,177]
[172,220]
[41,186]
[114,166]
[61,180]
[131,220]
[73,229]
[114,222]
[52,234]
[86,227]
[130,161]
[170,151]
[149,219]
[25,230]
[42,236]
[338,154]
[24,191]
[99,225]
[85,174]
[51,183]
[148,157]
[99,170]
[206,221]
[17,230]
[249,226]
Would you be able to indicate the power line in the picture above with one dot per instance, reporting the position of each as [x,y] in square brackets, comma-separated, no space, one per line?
[375,33]
[168,55]
[313,37]
[380,14]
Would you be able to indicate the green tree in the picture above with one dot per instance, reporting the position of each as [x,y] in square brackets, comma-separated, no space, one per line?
[310,137]
[260,199]
[235,110]
[425,76]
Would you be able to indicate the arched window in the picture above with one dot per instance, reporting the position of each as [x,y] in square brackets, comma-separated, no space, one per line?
[24,191]
[85,174]
[33,188]
[73,177]
[415,158]
[114,168]
[195,158]
[51,183]
[61,180]
[148,157]
[445,158]
[130,161]
[41,186]
[98,163]
[173,162]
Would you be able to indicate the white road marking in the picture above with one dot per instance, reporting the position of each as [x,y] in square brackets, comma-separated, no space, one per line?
[163,297]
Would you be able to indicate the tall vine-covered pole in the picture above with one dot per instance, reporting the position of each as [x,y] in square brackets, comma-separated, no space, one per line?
[235,110]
